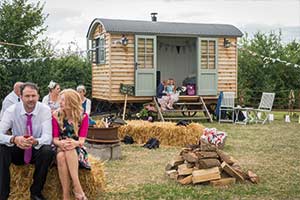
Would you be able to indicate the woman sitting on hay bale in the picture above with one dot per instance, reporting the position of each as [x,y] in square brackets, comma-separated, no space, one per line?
[70,128]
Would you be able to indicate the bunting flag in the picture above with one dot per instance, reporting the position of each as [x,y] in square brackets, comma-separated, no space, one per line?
[266,59]
[24,60]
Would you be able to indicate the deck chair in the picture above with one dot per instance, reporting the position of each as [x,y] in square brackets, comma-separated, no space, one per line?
[265,107]
[227,106]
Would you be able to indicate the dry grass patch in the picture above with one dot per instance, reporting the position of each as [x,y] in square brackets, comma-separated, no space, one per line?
[271,151]
[138,166]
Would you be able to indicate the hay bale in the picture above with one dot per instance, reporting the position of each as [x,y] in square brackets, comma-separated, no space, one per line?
[93,182]
[166,132]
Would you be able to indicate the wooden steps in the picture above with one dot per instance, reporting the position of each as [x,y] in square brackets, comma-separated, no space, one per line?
[184,118]
[188,103]
[175,111]
[188,110]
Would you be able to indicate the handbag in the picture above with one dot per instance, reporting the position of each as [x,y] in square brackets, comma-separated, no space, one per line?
[83,158]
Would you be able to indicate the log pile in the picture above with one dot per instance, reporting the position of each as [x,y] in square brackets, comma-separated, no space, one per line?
[207,164]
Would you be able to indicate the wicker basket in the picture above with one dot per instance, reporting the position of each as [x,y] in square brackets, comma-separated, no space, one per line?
[103,135]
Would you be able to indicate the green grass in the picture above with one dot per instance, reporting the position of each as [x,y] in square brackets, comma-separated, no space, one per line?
[272,151]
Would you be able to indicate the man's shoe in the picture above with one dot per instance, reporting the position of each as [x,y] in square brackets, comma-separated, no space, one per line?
[37,197]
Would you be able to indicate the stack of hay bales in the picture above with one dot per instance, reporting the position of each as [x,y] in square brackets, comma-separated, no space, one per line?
[93,182]
[166,132]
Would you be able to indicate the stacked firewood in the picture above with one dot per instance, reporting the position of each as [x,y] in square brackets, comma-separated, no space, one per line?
[206,164]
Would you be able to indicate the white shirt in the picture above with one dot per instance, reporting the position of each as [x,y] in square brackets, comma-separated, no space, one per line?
[9,100]
[15,117]
[88,106]
[52,104]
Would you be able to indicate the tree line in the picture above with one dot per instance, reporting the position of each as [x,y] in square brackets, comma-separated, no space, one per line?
[22,23]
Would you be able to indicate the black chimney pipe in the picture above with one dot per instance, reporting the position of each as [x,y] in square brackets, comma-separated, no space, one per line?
[153,17]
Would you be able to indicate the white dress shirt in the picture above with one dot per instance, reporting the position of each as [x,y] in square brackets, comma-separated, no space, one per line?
[15,117]
[9,100]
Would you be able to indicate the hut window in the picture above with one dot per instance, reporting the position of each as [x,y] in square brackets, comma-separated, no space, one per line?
[100,50]
[208,54]
[146,52]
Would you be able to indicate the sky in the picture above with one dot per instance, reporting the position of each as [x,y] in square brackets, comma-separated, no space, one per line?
[69,20]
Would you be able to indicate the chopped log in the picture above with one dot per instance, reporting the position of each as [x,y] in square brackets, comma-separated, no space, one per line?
[173,174]
[224,157]
[209,163]
[185,150]
[233,159]
[223,182]
[253,177]
[184,170]
[229,170]
[193,146]
[185,181]
[204,175]
[190,157]
[197,149]
[239,170]
[173,164]
[207,147]
[207,154]
[190,165]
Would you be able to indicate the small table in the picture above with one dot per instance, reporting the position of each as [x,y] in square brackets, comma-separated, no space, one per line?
[247,113]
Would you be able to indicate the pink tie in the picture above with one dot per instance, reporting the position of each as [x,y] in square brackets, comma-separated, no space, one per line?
[28,152]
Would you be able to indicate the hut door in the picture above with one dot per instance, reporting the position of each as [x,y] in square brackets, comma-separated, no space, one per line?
[207,79]
[145,65]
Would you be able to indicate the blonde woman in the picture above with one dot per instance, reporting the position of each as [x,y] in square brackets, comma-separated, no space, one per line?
[70,128]
[52,99]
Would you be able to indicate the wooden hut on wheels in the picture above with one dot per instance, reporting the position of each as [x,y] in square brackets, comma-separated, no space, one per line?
[141,53]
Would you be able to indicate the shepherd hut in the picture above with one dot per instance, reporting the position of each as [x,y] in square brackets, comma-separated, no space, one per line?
[139,54]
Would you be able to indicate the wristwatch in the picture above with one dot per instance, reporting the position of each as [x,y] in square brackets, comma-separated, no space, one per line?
[12,139]
[37,143]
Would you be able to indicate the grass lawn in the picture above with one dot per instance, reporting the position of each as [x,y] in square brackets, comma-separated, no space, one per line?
[272,151]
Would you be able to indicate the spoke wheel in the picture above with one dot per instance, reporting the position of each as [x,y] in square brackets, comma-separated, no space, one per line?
[187,113]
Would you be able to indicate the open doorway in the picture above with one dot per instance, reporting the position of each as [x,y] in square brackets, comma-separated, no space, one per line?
[177,59]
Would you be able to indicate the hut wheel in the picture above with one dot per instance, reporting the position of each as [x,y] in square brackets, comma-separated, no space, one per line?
[185,111]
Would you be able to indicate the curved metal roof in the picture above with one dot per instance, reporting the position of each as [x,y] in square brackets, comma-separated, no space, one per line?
[166,28]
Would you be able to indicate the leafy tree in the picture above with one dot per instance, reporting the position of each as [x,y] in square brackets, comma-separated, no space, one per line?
[21,23]
[257,73]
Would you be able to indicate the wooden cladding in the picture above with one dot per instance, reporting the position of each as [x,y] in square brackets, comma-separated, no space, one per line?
[227,66]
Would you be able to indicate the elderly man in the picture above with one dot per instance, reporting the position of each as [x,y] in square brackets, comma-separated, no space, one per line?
[11,98]
[30,122]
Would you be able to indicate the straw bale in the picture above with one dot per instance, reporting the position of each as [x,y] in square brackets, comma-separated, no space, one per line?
[166,132]
[93,182]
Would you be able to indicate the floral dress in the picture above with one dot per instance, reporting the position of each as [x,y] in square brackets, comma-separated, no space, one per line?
[68,132]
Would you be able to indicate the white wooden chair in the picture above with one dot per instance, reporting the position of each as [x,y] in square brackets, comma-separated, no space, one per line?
[227,105]
[265,107]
